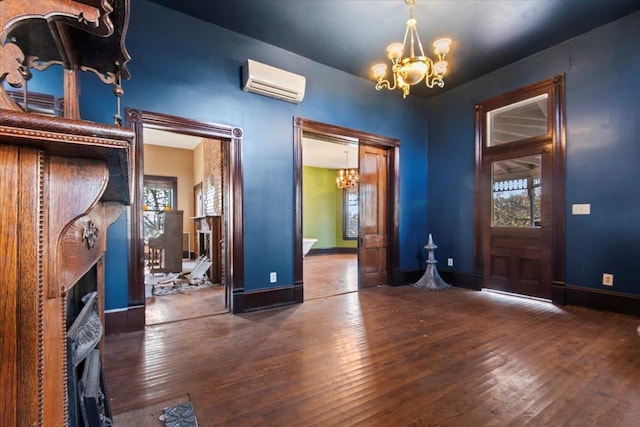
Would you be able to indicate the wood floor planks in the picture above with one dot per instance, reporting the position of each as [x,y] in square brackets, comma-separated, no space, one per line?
[389,356]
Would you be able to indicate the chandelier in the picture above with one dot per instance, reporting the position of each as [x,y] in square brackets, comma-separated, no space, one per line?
[347,177]
[410,70]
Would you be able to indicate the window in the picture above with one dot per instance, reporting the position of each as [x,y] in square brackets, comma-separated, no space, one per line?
[517,121]
[516,192]
[160,193]
[350,213]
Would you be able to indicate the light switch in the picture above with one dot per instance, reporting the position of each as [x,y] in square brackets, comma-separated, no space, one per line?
[581,209]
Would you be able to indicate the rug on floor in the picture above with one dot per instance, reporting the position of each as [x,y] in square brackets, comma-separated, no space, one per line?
[180,415]
[149,416]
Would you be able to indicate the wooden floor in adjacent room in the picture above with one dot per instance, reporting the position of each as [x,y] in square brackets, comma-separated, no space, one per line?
[328,275]
[185,305]
[388,356]
[324,276]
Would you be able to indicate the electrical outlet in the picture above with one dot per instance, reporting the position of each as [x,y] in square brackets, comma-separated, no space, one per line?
[273,277]
[449,262]
[607,279]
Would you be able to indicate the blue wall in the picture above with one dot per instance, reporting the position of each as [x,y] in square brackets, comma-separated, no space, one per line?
[193,71]
[602,70]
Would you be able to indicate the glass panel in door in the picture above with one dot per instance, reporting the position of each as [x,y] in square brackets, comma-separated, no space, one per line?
[516,190]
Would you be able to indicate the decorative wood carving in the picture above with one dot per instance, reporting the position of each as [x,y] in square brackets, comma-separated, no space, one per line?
[77,35]
[60,181]
[52,190]
[90,235]
[63,137]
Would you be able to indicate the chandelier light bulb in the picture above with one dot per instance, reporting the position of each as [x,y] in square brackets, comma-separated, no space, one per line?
[394,51]
[440,68]
[442,46]
[379,70]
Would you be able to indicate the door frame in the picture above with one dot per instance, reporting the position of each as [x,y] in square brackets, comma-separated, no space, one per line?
[346,135]
[231,138]
[555,88]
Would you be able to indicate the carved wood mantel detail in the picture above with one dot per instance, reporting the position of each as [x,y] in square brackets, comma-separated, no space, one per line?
[63,182]
[58,195]
[39,33]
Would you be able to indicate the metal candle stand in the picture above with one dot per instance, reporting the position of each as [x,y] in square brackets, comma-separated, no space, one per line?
[431,279]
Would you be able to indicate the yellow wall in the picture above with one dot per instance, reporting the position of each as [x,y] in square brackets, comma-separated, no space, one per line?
[167,161]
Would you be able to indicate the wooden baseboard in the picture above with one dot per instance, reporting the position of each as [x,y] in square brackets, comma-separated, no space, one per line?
[462,280]
[122,321]
[598,299]
[267,298]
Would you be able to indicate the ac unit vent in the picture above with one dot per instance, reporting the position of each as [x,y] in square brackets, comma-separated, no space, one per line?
[273,82]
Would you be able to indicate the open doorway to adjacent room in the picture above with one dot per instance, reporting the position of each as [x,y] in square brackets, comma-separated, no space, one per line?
[348,238]
[182,211]
[185,214]
[330,211]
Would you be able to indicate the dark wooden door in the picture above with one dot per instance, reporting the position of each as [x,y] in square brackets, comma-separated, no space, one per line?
[519,198]
[372,247]
[518,225]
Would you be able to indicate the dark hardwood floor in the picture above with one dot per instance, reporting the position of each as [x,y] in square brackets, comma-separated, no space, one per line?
[389,356]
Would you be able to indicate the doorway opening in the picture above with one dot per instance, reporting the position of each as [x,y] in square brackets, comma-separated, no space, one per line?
[367,212]
[330,211]
[186,216]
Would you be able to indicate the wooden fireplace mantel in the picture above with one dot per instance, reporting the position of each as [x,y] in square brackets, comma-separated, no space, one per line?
[63,181]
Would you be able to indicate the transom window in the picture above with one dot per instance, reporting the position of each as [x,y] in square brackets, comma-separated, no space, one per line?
[520,120]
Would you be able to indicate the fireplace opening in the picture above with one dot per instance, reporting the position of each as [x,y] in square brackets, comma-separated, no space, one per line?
[85,285]
[87,401]
[204,243]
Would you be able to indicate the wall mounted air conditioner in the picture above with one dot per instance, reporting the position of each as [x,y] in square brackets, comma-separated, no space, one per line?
[273,82]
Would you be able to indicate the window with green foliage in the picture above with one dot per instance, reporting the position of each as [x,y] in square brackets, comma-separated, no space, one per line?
[159,195]
[516,192]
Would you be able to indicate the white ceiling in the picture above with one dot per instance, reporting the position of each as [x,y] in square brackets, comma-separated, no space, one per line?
[315,152]
[170,139]
[325,154]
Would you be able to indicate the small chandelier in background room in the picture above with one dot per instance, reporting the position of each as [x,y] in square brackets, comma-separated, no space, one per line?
[410,70]
[347,177]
